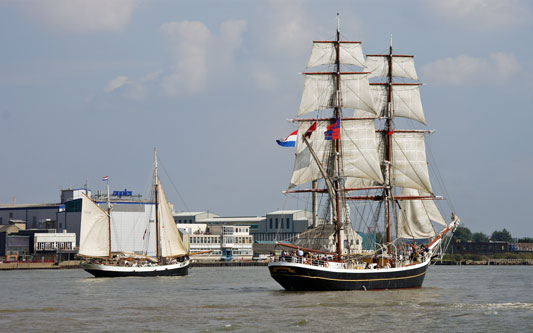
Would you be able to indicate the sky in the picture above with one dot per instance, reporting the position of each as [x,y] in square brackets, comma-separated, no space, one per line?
[89,88]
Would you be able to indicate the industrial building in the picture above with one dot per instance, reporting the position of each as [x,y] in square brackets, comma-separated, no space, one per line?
[133,225]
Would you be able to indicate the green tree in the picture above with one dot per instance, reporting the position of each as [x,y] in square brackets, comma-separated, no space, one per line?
[502,236]
[525,240]
[462,234]
[480,237]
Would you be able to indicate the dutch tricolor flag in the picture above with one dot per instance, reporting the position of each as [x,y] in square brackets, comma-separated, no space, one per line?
[289,141]
[106,178]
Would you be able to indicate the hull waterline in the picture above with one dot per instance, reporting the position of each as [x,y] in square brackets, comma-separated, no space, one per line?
[100,270]
[301,277]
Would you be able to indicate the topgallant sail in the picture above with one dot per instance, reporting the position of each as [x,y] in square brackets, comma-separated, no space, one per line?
[351,152]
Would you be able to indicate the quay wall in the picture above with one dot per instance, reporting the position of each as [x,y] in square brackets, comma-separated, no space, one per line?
[76,264]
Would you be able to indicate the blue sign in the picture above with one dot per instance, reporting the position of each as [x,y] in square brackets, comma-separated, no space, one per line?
[124,193]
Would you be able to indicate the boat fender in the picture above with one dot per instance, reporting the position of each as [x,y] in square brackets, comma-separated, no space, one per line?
[326,264]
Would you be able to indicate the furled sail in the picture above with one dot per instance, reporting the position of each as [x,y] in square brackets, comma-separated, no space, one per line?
[415,216]
[358,144]
[402,66]
[405,100]
[320,93]
[171,240]
[94,230]
[324,53]
[409,163]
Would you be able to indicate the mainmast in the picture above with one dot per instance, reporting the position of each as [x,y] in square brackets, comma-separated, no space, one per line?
[389,126]
[156,184]
[109,219]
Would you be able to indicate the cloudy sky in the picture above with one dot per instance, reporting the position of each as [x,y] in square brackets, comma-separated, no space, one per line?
[89,88]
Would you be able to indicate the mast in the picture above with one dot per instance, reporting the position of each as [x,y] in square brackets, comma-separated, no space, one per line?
[156,183]
[338,114]
[388,158]
[108,218]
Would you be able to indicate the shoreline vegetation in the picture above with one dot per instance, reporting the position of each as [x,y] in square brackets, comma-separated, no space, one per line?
[506,258]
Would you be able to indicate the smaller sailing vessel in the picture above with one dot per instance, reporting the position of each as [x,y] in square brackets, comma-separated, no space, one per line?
[172,252]
[352,146]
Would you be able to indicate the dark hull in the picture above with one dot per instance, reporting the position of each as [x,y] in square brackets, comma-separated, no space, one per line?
[298,277]
[179,271]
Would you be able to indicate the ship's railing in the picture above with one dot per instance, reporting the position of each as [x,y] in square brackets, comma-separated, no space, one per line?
[318,262]
[399,261]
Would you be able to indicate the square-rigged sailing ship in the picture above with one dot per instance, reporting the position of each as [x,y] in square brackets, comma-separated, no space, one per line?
[352,152]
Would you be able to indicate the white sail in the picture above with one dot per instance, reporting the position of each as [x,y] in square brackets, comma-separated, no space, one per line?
[94,230]
[171,240]
[358,144]
[409,163]
[405,100]
[320,93]
[402,66]
[324,53]
[359,147]
[415,216]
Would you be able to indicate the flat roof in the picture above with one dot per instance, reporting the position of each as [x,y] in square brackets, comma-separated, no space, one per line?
[37,206]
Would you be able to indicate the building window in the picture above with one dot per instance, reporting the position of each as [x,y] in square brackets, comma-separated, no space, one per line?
[270,223]
[276,222]
[287,223]
[10,214]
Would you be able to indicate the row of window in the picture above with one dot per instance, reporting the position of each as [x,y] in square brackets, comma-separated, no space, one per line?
[242,252]
[239,239]
[205,239]
[216,239]
[184,221]
[279,224]
[52,246]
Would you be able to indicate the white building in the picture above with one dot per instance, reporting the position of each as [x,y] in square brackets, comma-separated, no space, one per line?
[45,242]
[227,242]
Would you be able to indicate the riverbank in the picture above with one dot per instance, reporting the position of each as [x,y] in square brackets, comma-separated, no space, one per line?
[39,265]
[76,264]
[487,262]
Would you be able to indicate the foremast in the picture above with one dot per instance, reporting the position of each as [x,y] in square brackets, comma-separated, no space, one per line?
[332,173]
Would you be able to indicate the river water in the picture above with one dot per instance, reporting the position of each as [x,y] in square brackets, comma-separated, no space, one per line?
[246,299]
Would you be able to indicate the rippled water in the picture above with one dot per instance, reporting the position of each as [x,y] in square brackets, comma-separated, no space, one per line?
[454,298]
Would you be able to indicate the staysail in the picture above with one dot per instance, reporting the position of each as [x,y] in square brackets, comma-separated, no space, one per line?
[94,230]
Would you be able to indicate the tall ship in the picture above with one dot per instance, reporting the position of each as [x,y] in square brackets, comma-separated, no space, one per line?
[365,173]
[172,249]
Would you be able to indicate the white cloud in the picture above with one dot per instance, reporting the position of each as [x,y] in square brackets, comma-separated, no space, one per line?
[289,30]
[265,80]
[116,83]
[82,15]
[464,69]
[189,41]
[199,54]
[484,14]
